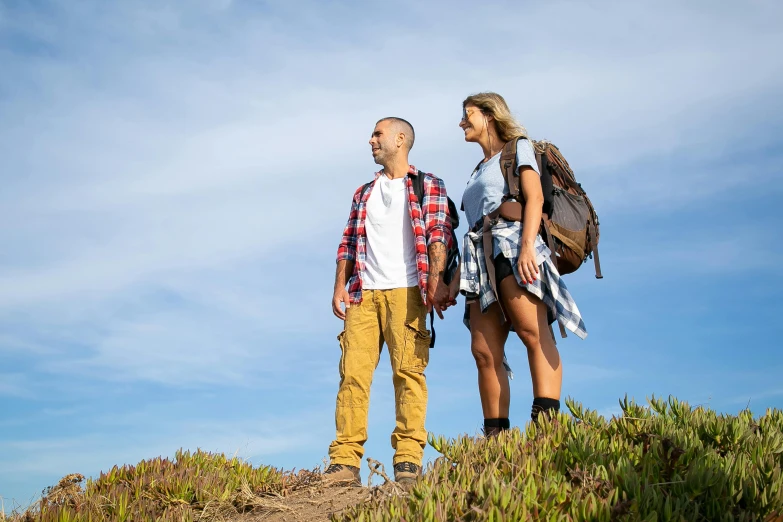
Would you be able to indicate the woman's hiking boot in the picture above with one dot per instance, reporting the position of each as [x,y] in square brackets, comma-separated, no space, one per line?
[406,473]
[342,475]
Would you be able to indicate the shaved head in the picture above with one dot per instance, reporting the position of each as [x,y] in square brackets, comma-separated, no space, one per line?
[400,126]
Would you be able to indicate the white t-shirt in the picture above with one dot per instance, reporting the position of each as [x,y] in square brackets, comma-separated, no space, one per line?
[391,246]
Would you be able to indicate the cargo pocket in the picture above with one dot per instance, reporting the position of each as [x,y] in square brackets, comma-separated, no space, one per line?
[341,340]
[417,349]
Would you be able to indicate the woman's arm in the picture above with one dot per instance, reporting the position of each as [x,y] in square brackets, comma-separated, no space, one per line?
[534,202]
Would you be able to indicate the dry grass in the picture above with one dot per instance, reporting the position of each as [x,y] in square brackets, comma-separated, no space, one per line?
[193,486]
[200,487]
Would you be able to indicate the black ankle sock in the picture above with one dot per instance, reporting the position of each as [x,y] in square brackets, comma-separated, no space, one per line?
[502,423]
[544,404]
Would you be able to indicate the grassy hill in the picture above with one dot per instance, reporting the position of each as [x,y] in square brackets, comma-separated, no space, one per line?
[661,461]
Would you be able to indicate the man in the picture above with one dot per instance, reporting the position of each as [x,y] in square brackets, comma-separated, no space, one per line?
[392,257]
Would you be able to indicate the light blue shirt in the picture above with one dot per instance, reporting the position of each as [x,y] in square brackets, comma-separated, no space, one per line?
[487,186]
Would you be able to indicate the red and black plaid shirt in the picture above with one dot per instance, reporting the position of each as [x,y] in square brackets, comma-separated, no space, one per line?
[430,222]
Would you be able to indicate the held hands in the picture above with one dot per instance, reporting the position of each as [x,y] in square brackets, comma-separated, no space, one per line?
[438,297]
[340,296]
[528,269]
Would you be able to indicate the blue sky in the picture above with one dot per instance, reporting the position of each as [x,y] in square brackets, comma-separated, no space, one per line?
[175,176]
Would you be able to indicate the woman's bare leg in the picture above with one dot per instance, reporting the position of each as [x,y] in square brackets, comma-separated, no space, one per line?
[488,336]
[528,314]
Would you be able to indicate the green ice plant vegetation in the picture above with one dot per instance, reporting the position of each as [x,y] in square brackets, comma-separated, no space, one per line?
[664,461]
[660,461]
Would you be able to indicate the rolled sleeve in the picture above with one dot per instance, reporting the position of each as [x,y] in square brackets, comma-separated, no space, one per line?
[438,234]
[347,249]
[346,253]
[436,213]
[526,156]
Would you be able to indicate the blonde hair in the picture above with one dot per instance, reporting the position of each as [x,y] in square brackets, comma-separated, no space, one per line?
[493,104]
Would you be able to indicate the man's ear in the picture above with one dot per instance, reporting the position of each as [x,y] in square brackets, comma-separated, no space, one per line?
[400,139]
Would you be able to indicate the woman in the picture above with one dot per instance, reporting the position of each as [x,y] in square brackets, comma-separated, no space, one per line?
[527,281]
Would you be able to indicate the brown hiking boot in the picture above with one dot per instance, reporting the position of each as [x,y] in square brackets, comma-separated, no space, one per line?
[342,475]
[406,472]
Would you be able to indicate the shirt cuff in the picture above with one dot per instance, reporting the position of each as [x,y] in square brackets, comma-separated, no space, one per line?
[345,256]
[438,235]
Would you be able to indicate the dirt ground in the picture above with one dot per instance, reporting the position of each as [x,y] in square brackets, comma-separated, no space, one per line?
[316,504]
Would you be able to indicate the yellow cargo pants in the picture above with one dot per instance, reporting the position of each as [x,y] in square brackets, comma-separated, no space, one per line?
[398,318]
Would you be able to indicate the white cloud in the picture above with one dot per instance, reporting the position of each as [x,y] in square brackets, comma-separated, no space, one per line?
[157,158]
[752,397]
[14,385]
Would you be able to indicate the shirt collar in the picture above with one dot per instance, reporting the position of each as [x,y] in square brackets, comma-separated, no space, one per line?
[412,171]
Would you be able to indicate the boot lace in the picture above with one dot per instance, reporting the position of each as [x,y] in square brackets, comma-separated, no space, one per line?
[406,467]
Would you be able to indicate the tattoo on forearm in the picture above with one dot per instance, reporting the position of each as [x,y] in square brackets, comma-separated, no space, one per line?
[437,252]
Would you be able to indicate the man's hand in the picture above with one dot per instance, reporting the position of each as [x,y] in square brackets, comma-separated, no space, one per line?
[437,297]
[344,271]
[340,296]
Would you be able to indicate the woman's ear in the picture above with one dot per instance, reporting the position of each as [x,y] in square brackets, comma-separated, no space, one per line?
[487,120]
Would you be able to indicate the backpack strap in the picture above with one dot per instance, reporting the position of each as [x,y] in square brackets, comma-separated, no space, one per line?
[592,235]
[593,238]
[418,188]
[598,274]
[508,164]
[432,328]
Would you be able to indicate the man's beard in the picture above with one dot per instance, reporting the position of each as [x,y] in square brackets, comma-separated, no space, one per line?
[380,158]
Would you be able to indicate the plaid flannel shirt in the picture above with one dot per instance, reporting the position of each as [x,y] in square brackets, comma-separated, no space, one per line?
[430,222]
[549,286]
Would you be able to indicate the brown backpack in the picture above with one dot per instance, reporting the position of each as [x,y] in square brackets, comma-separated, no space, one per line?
[569,223]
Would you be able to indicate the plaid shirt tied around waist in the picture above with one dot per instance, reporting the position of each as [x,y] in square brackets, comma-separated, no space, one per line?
[430,222]
[549,286]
